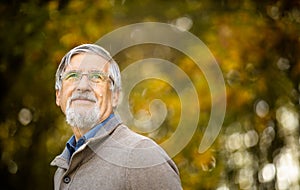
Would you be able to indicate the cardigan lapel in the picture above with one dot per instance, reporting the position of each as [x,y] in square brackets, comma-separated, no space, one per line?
[84,153]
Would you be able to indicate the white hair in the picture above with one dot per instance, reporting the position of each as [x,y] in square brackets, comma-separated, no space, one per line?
[113,70]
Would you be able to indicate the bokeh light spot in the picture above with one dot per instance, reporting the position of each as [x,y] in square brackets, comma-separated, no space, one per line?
[267,173]
[261,108]
[184,23]
[25,116]
[251,138]
[288,118]
[283,64]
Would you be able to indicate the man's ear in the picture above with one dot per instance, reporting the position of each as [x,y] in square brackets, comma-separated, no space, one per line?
[115,98]
[57,97]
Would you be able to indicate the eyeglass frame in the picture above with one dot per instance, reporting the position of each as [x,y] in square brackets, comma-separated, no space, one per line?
[81,74]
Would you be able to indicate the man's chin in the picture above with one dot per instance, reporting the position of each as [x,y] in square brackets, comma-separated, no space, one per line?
[81,122]
[82,118]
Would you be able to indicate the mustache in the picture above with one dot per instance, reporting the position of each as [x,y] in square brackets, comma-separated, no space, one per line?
[84,96]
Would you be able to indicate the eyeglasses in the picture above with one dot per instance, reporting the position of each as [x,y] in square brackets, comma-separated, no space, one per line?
[93,76]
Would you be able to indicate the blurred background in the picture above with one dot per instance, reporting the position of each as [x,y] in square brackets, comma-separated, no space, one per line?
[256,44]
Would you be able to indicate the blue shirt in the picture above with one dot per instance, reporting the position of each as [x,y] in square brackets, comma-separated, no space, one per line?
[72,145]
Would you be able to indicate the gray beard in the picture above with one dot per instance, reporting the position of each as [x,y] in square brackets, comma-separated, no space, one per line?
[82,119]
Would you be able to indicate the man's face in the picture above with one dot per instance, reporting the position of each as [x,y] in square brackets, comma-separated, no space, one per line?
[83,101]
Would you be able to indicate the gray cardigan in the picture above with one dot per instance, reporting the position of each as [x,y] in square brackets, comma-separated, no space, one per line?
[116,158]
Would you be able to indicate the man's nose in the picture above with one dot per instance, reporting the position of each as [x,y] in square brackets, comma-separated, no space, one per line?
[84,84]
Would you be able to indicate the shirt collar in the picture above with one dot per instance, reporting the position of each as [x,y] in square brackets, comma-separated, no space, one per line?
[91,133]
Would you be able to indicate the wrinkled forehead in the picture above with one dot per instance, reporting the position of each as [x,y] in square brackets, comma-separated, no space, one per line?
[87,61]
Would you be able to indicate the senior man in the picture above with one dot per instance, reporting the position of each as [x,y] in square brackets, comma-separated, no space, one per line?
[103,153]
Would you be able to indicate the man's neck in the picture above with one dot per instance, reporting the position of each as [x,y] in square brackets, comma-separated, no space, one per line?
[78,133]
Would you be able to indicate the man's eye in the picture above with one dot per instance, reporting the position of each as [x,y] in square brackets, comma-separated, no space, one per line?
[97,77]
[72,76]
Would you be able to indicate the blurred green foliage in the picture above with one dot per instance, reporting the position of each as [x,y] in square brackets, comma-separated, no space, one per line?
[256,44]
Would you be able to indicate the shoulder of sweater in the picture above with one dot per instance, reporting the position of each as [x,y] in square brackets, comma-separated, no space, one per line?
[126,148]
[124,135]
[142,151]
